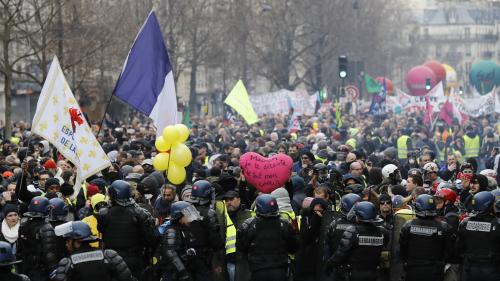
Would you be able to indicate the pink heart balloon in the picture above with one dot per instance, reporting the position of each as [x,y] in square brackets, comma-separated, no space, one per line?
[266,174]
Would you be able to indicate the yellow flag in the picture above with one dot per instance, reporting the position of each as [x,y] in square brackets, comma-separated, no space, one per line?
[239,101]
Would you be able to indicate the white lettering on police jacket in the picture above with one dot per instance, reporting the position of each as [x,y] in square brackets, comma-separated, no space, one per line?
[87,256]
[423,230]
[478,226]
[371,240]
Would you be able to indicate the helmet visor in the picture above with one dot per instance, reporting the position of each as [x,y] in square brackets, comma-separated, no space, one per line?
[191,214]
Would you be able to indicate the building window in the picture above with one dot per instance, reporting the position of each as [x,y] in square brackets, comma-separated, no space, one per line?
[467,50]
[467,32]
[438,51]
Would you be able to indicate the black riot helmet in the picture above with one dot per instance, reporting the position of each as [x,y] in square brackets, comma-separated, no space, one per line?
[119,193]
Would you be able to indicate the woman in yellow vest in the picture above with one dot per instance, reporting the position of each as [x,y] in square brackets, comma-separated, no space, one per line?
[97,202]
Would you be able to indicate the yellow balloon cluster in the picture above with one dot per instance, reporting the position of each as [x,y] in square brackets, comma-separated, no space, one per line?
[174,155]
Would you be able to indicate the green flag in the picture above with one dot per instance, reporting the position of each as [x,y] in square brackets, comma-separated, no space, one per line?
[372,86]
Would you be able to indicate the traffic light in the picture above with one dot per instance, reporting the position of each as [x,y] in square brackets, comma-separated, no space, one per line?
[343,65]
[322,95]
[460,90]
[427,84]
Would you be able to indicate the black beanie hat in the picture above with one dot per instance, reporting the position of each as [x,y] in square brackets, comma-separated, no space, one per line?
[9,208]
[51,181]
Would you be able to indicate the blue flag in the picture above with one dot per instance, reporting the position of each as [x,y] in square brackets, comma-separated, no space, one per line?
[146,82]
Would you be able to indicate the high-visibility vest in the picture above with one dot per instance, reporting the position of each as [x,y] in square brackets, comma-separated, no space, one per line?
[441,156]
[230,234]
[351,142]
[402,144]
[472,146]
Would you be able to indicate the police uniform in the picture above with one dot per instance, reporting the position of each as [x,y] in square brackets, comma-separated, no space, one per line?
[129,230]
[359,250]
[425,246]
[90,264]
[334,234]
[37,248]
[267,243]
[182,257]
[479,245]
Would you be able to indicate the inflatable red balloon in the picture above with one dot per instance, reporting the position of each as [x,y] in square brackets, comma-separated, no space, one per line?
[266,174]
[438,70]
[415,80]
[388,84]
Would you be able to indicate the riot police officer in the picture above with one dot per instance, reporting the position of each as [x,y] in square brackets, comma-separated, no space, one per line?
[57,216]
[267,240]
[127,228]
[479,240]
[85,262]
[7,260]
[359,250]
[202,196]
[426,242]
[339,225]
[182,258]
[37,241]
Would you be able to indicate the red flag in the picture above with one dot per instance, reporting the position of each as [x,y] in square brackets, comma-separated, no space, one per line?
[449,112]
[428,115]
[446,113]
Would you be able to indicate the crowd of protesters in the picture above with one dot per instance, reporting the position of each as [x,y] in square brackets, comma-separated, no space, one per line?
[373,198]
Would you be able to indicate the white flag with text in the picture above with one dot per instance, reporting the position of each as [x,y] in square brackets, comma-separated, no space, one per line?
[59,119]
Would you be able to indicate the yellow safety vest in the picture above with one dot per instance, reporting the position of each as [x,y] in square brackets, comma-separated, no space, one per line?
[441,156]
[91,221]
[230,234]
[472,146]
[402,144]
[351,142]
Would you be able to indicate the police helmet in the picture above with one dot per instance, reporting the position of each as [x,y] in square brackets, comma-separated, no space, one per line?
[365,211]
[119,192]
[202,189]
[482,202]
[347,201]
[181,209]
[76,230]
[7,257]
[58,210]
[266,206]
[425,206]
[38,207]
[201,192]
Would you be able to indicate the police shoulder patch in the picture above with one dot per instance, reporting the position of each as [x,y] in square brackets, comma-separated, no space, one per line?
[87,257]
[370,240]
[423,230]
[478,226]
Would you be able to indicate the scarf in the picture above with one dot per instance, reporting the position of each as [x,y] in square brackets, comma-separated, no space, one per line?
[10,234]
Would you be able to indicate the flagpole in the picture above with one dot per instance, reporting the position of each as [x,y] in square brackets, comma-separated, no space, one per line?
[104,115]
